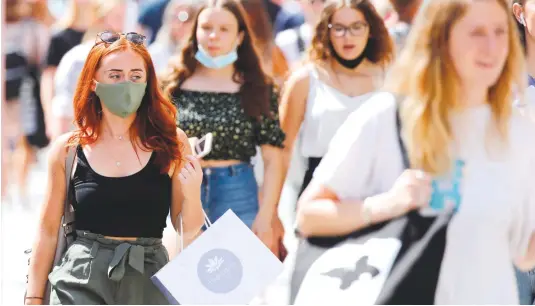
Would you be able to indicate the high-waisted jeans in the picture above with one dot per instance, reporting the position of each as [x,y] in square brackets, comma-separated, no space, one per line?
[233,187]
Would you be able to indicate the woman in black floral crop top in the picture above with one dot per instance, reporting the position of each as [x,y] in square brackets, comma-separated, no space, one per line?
[219,87]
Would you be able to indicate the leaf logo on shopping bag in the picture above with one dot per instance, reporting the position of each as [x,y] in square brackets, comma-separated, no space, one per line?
[220,270]
[214,264]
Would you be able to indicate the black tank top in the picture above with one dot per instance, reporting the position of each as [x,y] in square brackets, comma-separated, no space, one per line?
[131,206]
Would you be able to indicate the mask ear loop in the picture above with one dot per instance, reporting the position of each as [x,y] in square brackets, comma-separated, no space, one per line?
[522,20]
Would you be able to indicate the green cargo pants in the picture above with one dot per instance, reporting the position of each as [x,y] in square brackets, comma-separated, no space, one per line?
[97,270]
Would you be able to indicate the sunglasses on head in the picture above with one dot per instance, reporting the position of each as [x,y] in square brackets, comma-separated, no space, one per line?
[111,37]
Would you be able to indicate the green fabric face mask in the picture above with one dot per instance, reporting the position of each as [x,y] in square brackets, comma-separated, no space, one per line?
[122,99]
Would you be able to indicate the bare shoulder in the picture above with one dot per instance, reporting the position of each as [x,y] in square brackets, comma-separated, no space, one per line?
[58,150]
[299,80]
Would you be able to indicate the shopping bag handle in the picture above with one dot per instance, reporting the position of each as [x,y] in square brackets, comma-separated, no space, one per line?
[180,244]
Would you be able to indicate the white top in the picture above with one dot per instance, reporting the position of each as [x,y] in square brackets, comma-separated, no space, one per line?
[287,41]
[326,109]
[26,37]
[495,219]
[66,79]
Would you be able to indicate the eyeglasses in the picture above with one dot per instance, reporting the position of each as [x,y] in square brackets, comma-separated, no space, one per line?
[111,37]
[355,29]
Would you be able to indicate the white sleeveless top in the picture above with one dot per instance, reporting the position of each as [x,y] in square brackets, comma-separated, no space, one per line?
[326,110]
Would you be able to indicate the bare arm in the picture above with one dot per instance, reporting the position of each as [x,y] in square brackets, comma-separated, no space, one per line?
[321,213]
[190,207]
[47,92]
[44,246]
[292,112]
[527,263]
[273,180]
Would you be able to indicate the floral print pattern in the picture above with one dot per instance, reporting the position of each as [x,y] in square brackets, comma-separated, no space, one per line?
[236,134]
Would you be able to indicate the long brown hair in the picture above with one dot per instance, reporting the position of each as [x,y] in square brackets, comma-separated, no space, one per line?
[379,48]
[255,83]
[261,26]
[155,123]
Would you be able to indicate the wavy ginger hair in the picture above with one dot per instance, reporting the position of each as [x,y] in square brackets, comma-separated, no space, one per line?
[424,74]
[155,122]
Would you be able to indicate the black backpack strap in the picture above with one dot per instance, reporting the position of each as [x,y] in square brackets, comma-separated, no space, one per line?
[404,155]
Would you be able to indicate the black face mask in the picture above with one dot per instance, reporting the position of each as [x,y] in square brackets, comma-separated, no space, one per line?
[350,64]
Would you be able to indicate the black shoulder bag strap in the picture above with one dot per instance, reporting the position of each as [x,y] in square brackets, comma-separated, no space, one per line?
[300,42]
[404,155]
[409,266]
[68,211]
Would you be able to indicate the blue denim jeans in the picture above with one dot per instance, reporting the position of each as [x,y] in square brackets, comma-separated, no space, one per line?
[526,286]
[233,187]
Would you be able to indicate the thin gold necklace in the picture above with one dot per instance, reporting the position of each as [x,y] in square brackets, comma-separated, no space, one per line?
[120,138]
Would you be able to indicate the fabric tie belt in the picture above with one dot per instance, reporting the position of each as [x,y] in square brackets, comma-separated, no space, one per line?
[124,253]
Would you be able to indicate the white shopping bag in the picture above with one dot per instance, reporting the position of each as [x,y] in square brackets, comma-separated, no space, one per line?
[227,264]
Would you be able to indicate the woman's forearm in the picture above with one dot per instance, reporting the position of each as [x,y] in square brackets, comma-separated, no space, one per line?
[41,261]
[286,160]
[47,91]
[272,187]
[327,217]
[193,217]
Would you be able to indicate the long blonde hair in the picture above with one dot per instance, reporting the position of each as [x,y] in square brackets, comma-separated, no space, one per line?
[425,77]
[101,8]
[73,12]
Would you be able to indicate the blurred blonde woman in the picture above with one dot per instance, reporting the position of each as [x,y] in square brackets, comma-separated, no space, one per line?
[453,85]
[70,31]
[39,11]
[177,22]
[108,15]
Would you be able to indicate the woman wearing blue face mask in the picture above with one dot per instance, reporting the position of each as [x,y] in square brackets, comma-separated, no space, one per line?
[219,87]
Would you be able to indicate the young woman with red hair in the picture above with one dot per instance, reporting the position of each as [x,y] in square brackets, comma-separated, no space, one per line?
[132,167]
